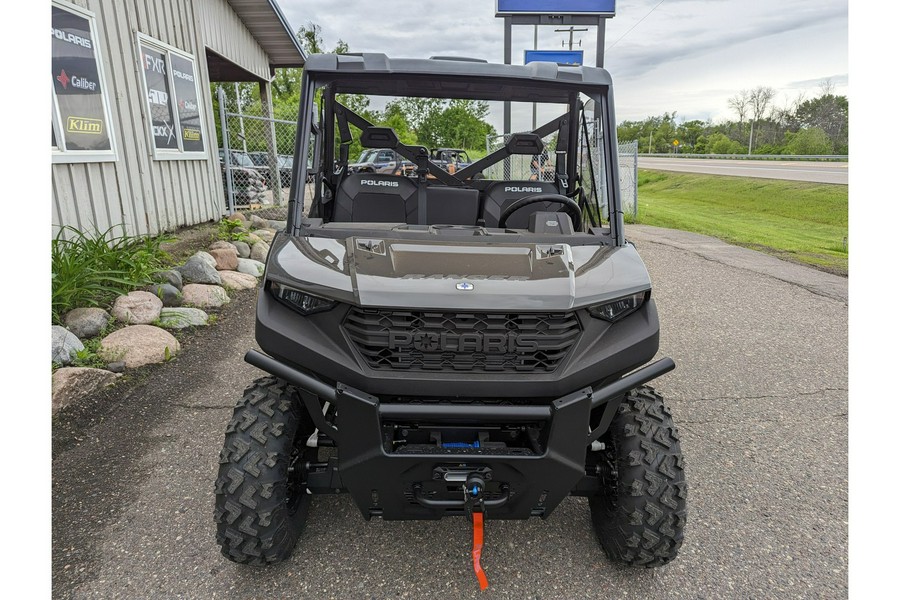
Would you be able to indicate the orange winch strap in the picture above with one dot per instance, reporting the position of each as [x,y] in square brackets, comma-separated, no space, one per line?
[478,542]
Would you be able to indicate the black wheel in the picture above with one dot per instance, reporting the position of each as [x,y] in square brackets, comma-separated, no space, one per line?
[639,513]
[261,495]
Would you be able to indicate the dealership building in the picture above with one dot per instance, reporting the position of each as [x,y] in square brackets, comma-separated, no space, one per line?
[134,134]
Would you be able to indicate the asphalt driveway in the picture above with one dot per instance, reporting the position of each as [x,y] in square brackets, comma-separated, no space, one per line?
[760,397]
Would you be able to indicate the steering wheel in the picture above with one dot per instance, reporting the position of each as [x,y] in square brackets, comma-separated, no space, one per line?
[569,206]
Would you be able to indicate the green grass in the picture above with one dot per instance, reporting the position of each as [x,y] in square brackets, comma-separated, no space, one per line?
[798,221]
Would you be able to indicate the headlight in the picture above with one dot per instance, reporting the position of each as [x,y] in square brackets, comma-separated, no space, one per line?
[620,307]
[303,302]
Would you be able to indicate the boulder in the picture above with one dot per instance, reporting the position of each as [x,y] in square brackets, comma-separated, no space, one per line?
[179,318]
[277,225]
[260,251]
[139,345]
[137,308]
[226,260]
[252,238]
[205,296]
[258,222]
[172,277]
[63,345]
[243,249]
[87,322]
[70,384]
[233,280]
[197,270]
[251,267]
[169,294]
[221,244]
[206,256]
[237,215]
[266,235]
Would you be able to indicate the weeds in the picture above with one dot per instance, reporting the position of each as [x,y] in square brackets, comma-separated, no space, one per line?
[228,230]
[91,269]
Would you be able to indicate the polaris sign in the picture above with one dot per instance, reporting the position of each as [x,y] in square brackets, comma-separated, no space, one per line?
[605,8]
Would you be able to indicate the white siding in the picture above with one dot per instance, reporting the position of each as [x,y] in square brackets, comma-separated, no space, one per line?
[147,195]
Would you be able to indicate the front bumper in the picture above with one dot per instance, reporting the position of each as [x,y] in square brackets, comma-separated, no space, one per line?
[426,485]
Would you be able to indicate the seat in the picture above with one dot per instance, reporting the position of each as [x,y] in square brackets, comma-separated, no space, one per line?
[500,194]
[451,206]
[374,198]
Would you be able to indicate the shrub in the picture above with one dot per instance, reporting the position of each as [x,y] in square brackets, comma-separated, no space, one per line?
[91,269]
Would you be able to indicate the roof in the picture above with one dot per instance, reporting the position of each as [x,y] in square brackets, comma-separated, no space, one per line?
[449,66]
[268,25]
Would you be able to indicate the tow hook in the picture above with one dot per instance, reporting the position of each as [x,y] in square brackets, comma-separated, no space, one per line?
[474,497]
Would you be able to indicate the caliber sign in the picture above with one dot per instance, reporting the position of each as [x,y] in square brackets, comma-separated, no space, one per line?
[76,83]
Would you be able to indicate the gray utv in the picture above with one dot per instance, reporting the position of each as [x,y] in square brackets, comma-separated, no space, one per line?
[455,344]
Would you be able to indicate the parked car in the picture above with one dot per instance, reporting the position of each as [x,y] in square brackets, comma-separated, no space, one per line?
[261,162]
[381,160]
[246,179]
[450,159]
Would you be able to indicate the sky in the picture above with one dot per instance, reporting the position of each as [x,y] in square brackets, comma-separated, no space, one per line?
[683,56]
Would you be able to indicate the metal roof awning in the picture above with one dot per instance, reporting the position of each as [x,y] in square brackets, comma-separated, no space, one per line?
[268,25]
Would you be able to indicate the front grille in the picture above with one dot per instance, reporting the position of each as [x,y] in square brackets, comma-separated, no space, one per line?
[462,341]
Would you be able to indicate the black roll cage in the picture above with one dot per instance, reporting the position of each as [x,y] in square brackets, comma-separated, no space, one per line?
[324,123]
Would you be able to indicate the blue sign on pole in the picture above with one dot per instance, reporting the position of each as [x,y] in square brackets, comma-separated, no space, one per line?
[556,7]
[560,57]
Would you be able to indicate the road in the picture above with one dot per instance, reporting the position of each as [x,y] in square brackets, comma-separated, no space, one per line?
[795,170]
[759,395]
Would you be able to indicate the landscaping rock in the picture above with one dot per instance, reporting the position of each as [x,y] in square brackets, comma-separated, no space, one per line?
[205,296]
[243,249]
[74,383]
[169,294]
[63,345]
[226,260]
[252,238]
[87,322]
[266,235]
[260,251]
[197,270]
[137,308]
[139,345]
[237,215]
[277,225]
[172,277]
[206,256]
[179,318]
[258,222]
[221,244]
[251,267]
[116,367]
[233,280]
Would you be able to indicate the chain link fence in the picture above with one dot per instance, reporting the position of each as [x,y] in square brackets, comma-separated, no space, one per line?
[256,158]
[541,168]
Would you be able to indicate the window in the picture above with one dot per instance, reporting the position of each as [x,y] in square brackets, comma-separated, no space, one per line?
[173,101]
[81,124]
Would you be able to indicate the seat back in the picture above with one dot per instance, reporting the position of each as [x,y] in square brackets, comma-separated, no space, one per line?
[451,206]
[373,198]
[500,194]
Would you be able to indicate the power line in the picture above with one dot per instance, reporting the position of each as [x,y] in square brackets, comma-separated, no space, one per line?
[608,48]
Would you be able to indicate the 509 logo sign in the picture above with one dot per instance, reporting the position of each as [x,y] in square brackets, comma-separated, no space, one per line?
[84,125]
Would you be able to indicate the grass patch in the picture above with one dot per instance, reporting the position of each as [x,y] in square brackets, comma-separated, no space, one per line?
[798,221]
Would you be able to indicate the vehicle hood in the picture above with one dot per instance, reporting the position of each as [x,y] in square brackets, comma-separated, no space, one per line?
[381,272]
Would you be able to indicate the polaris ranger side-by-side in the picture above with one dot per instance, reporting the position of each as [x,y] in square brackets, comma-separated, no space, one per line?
[468,344]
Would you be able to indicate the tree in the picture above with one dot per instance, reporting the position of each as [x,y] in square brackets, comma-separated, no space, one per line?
[829,113]
[760,98]
[810,141]
[740,103]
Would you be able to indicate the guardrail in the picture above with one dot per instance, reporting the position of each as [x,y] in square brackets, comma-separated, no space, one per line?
[810,157]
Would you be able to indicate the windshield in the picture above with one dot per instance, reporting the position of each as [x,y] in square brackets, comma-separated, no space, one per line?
[455,162]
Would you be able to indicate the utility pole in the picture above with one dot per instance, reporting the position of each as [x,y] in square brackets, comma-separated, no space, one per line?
[571,31]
